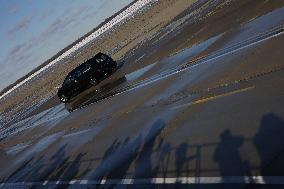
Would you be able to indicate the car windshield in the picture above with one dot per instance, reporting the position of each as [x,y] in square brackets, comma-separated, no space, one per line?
[68,80]
[100,59]
[71,78]
[76,74]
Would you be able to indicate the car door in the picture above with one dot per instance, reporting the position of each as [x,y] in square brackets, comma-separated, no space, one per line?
[87,74]
[77,81]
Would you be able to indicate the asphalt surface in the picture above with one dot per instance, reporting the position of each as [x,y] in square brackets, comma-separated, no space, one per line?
[187,121]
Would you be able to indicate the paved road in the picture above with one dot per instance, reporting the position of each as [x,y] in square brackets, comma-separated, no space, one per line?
[254,40]
[215,119]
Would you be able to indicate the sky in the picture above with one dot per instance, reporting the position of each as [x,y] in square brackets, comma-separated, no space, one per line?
[32,31]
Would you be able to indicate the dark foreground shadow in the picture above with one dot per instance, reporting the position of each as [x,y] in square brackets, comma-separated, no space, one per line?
[59,166]
[121,155]
[148,156]
[3,159]
[228,157]
[144,165]
[269,142]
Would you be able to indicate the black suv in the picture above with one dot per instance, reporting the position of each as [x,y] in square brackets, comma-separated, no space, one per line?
[86,75]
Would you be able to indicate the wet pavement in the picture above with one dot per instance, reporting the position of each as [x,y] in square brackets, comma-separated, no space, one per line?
[196,116]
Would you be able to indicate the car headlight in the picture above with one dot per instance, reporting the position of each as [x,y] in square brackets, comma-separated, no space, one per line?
[63,98]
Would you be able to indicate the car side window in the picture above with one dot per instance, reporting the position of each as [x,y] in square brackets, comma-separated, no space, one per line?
[78,74]
[86,68]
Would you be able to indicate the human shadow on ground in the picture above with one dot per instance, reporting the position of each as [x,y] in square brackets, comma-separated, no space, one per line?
[3,159]
[269,143]
[144,166]
[148,155]
[164,157]
[227,155]
[121,155]
[59,166]
[182,159]
[41,170]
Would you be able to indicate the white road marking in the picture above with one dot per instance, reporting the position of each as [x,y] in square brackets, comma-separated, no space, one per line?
[45,182]
[76,133]
[83,181]
[140,58]
[73,182]
[174,180]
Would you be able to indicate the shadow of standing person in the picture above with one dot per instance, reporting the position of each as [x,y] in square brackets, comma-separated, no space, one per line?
[269,143]
[3,157]
[182,160]
[164,158]
[145,164]
[3,161]
[228,157]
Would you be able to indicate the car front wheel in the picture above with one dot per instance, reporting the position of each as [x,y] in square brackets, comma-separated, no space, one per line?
[93,81]
[64,99]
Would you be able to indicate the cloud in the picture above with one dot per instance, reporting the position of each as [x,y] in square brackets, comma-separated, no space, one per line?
[21,24]
[22,52]
[13,8]
[46,13]
[104,5]
[69,17]
[17,52]
[16,49]
[54,28]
